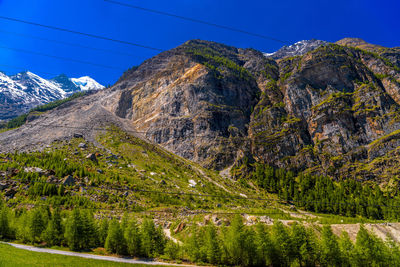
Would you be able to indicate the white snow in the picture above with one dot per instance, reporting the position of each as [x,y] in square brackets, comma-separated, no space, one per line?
[87,83]
[298,48]
[28,90]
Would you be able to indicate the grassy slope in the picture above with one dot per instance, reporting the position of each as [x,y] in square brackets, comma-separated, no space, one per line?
[10,256]
[144,166]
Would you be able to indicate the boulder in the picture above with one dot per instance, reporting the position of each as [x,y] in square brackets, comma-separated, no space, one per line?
[68,181]
[92,157]
[78,135]
[82,145]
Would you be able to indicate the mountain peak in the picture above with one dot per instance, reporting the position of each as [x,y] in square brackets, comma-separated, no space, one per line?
[297,49]
[25,90]
[87,83]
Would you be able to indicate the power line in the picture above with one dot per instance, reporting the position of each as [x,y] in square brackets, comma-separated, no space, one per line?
[196,21]
[67,43]
[80,33]
[60,58]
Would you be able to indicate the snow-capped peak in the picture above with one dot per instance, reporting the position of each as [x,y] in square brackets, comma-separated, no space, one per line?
[86,83]
[25,90]
[297,49]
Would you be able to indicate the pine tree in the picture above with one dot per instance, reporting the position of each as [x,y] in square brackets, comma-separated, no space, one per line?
[36,225]
[239,243]
[89,230]
[103,232]
[330,251]
[153,240]
[346,250]
[73,230]
[4,223]
[133,238]
[53,234]
[212,245]
[282,245]
[264,246]
[192,245]
[370,250]
[115,241]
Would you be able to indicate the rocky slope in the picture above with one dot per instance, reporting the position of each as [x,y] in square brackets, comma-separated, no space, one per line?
[23,91]
[333,110]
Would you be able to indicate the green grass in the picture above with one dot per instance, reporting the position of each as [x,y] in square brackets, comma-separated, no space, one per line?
[10,256]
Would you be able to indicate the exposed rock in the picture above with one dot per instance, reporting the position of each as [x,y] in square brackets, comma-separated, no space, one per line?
[68,181]
[34,169]
[78,135]
[222,106]
[92,157]
[10,192]
[180,227]
[3,186]
[82,145]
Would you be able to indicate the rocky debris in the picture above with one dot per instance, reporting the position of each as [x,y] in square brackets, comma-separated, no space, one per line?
[10,192]
[52,179]
[92,157]
[34,170]
[78,135]
[266,220]
[68,181]
[153,173]
[82,145]
[192,183]
[11,172]
[3,186]
[49,173]
[250,219]
[180,227]
[112,157]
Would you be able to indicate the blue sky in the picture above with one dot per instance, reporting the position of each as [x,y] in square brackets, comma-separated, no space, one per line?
[374,21]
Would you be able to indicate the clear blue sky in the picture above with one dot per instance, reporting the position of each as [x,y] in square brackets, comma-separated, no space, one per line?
[374,21]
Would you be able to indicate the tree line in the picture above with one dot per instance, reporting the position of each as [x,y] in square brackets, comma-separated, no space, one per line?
[234,244]
[322,194]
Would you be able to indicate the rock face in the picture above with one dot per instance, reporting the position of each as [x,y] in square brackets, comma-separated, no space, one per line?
[332,110]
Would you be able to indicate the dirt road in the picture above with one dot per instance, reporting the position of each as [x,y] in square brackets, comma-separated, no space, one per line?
[91,256]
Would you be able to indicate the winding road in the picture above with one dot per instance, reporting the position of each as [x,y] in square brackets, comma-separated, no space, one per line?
[91,256]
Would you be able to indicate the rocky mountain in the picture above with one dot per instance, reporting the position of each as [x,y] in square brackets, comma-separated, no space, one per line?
[23,91]
[296,49]
[333,110]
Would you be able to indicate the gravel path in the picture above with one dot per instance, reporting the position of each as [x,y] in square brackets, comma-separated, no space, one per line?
[91,256]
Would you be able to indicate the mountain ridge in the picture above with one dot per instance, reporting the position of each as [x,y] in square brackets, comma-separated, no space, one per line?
[21,92]
[332,111]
